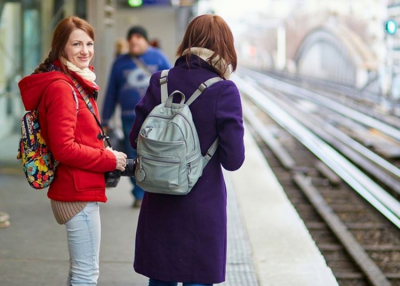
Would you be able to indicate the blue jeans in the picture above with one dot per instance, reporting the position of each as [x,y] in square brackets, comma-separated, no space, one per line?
[137,191]
[153,282]
[83,235]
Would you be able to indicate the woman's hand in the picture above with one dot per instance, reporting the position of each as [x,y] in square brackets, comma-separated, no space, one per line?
[121,159]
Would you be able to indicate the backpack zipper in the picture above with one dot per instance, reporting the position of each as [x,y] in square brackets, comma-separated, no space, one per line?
[156,160]
[187,120]
[192,163]
[184,117]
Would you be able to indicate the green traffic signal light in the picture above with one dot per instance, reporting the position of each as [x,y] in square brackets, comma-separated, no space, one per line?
[135,3]
[391,27]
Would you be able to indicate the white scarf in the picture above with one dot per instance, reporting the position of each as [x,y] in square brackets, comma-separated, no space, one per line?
[85,73]
[205,54]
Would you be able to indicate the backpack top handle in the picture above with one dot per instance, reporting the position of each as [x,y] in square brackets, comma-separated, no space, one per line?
[168,103]
[195,95]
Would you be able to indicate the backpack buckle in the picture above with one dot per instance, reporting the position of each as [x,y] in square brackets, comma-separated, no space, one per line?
[202,87]
[163,80]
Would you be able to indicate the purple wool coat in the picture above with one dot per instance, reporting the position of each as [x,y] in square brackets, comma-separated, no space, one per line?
[184,238]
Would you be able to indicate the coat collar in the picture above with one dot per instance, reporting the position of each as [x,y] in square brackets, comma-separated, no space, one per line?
[194,62]
[90,87]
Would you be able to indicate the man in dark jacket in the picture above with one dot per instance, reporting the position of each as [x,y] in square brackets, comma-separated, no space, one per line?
[128,83]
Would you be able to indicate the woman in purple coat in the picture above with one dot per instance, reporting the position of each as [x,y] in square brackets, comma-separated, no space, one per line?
[184,238]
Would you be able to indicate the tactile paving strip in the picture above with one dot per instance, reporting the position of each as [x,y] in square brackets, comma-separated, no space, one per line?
[239,269]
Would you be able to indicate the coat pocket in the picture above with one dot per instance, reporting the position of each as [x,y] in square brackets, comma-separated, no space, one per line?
[86,180]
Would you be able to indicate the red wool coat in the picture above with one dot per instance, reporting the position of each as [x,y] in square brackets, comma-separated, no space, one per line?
[71,136]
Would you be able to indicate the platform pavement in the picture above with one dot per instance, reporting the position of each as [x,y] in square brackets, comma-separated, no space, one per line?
[283,251]
[33,249]
[264,231]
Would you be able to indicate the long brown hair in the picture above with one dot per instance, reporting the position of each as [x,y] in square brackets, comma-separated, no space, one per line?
[60,38]
[213,33]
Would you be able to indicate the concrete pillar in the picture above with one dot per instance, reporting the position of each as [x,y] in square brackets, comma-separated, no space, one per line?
[281,48]
[183,18]
[361,77]
[101,15]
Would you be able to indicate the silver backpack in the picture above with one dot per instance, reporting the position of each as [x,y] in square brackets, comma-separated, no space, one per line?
[169,159]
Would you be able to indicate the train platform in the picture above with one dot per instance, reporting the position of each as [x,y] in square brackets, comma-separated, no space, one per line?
[268,244]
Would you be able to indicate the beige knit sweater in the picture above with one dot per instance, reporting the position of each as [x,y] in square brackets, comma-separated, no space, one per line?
[64,211]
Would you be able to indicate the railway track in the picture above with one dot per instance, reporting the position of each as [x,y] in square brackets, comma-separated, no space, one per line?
[354,221]
[383,108]
[374,107]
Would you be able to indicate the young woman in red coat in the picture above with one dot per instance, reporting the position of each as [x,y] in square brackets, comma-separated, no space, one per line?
[70,130]
[183,238]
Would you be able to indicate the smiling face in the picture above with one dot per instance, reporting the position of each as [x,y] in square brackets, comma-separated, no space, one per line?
[79,49]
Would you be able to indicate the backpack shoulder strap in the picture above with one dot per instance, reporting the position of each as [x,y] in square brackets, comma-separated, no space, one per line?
[201,88]
[75,98]
[164,85]
[195,95]
[211,150]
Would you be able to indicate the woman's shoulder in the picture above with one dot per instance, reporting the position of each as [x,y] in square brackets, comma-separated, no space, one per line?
[121,59]
[224,87]
[151,51]
[57,91]
[227,83]
[59,85]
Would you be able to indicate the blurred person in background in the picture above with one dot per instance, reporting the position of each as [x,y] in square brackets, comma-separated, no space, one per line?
[127,84]
[64,92]
[184,238]
[4,220]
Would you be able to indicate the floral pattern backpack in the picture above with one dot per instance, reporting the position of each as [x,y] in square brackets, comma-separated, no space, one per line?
[37,161]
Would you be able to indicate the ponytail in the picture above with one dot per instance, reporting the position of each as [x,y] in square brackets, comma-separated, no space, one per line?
[43,66]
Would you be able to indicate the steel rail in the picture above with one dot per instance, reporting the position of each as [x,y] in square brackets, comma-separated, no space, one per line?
[378,160]
[267,136]
[326,84]
[309,123]
[365,152]
[347,146]
[328,103]
[357,252]
[352,246]
[361,183]
[331,90]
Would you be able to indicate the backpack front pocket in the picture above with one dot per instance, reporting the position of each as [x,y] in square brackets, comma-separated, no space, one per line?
[160,171]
